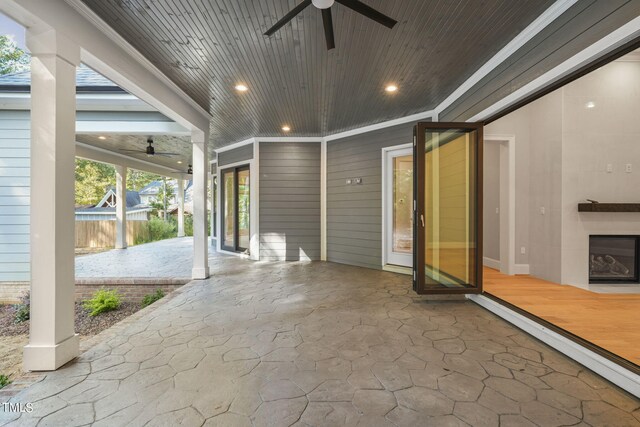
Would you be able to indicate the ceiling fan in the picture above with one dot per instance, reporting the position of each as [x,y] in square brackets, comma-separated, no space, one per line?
[150,151]
[327,20]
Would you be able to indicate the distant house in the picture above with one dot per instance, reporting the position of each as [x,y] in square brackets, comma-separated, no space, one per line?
[105,210]
[151,192]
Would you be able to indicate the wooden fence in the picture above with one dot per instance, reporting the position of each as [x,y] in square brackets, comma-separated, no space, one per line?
[102,234]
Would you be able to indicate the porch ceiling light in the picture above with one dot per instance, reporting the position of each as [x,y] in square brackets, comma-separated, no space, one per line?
[590,104]
[179,162]
[102,137]
[286,128]
[391,88]
[241,88]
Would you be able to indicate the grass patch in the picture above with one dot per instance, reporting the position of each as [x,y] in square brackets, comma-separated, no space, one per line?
[151,298]
[4,381]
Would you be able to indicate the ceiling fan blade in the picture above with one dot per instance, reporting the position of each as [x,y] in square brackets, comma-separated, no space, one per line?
[166,154]
[369,12]
[327,21]
[132,151]
[288,17]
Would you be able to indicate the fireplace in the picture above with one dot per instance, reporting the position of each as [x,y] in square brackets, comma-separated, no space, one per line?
[614,259]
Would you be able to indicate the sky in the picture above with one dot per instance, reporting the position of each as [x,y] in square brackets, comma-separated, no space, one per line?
[13,29]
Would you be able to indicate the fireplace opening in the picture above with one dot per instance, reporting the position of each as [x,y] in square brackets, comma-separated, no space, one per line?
[614,259]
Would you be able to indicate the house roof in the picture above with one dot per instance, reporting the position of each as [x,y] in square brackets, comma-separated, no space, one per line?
[87,80]
[155,187]
[133,198]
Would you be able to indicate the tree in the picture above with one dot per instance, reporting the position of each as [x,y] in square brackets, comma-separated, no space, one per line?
[92,181]
[12,58]
[137,180]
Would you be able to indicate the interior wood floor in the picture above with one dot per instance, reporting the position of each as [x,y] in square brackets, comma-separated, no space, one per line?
[611,321]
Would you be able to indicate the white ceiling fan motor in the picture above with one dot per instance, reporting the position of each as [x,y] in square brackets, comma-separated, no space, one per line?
[322,4]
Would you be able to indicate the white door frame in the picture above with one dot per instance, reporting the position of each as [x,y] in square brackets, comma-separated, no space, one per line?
[507,202]
[387,189]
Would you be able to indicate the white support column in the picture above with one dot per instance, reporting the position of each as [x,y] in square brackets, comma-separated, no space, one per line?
[52,339]
[200,232]
[121,207]
[180,208]
[212,222]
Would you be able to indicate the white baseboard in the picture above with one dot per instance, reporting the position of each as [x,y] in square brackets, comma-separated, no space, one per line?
[521,269]
[613,372]
[491,263]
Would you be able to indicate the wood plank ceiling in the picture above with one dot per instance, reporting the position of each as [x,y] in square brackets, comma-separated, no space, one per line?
[209,46]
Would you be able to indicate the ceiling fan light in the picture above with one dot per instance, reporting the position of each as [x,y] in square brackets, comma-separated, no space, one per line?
[322,4]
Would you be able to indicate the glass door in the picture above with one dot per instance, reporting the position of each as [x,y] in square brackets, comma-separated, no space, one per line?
[398,206]
[447,208]
[235,209]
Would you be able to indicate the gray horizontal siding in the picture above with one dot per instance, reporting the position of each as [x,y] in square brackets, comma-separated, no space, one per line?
[14,196]
[236,155]
[579,27]
[354,212]
[289,201]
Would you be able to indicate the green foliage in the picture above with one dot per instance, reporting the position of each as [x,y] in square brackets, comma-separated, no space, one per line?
[4,380]
[151,298]
[188,225]
[137,180]
[12,58]
[22,310]
[158,229]
[103,300]
[92,181]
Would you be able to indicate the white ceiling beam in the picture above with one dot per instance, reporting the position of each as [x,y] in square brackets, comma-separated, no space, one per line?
[101,155]
[130,128]
[110,54]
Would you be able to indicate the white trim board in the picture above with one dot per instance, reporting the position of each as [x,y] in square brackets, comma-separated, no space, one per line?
[491,263]
[613,372]
[323,200]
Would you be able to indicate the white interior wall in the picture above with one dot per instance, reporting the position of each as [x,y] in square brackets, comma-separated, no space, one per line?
[562,152]
[517,125]
[592,138]
[491,202]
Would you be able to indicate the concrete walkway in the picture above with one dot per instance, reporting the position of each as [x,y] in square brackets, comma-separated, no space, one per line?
[281,344]
[171,258]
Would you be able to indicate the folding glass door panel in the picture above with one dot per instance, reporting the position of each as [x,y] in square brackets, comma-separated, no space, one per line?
[235,209]
[447,203]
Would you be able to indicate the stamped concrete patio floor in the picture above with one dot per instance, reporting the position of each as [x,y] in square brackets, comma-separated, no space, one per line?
[280,344]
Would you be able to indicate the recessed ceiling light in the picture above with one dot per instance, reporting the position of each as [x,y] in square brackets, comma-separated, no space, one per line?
[286,128]
[391,88]
[590,104]
[241,88]
[102,137]
[179,162]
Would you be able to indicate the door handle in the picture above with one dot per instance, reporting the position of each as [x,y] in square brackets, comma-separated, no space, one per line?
[422,220]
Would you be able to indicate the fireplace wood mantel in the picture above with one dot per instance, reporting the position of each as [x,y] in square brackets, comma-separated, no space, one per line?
[608,207]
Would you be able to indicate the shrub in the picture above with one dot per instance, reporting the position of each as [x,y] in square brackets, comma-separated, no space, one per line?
[151,298]
[188,225]
[4,381]
[22,310]
[102,301]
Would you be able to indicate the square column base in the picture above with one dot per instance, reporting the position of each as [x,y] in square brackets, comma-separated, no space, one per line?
[50,358]
[200,273]
[181,234]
